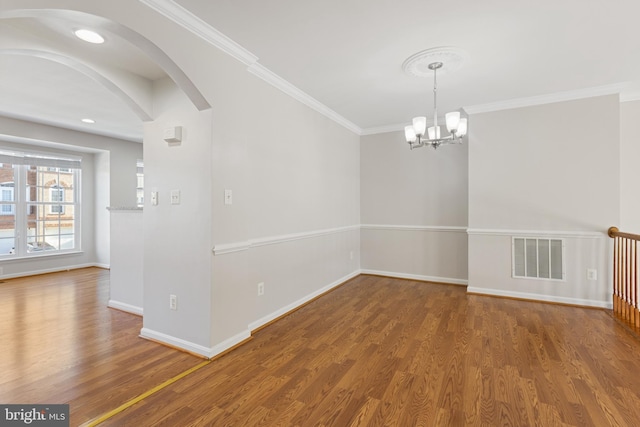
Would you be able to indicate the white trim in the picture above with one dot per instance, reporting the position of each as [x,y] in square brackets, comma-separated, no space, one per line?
[546,99]
[297,94]
[540,297]
[290,307]
[125,307]
[537,233]
[100,265]
[176,342]
[46,270]
[384,129]
[181,16]
[207,352]
[449,280]
[435,228]
[272,240]
[227,248]
[630,95]
[229,343]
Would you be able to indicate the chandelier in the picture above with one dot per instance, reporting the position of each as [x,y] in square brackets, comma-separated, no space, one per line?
[418,135]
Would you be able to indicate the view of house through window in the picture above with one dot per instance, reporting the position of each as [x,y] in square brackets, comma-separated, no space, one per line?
[39,205]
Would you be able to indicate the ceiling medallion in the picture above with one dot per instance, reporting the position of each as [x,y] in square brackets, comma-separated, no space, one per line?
[452,59]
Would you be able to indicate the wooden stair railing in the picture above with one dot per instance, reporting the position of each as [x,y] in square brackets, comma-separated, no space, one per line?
[625,277]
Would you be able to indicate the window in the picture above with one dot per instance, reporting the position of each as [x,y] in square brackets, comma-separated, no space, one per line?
[39,204]
[536,258]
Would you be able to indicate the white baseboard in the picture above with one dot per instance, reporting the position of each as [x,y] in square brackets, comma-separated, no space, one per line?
[176,342]
[125,307]
[48,270]
[421,278]
[104,266]
[229,343]
[286,309]
[540,297]
[207,352]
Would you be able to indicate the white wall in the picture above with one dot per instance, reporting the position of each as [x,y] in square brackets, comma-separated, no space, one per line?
[127,260]
[629,169]
[295,213]
[413,209]
[292,171]
[177,237]
[550,170]
[102,191]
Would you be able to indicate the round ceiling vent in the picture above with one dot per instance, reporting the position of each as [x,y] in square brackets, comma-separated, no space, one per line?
[452,59]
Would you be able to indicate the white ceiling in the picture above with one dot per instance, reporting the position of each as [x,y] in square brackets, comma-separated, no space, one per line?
[348,55]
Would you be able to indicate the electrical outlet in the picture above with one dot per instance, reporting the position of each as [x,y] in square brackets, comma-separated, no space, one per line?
[173,302]
[260,288]
[592,274]
[351,255]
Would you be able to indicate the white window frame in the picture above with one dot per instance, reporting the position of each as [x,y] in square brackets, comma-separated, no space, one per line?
[21,163]
[537,239]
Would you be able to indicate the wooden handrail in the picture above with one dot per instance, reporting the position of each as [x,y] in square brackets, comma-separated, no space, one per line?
[626,253]
[614,232]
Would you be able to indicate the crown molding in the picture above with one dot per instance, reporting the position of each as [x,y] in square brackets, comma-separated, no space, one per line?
[383,129]
[546,99]
[278,82]
[181,16]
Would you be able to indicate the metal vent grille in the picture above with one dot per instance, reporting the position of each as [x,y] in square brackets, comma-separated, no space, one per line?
[538,258]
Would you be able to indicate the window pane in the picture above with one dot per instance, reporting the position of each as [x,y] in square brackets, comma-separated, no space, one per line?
[7,191]
[532,258]
[7,234]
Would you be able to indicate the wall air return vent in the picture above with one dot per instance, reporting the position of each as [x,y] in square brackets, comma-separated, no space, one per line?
[537,258]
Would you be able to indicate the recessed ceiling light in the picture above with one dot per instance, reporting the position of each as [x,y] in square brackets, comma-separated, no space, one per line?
[88,121]
[89,36]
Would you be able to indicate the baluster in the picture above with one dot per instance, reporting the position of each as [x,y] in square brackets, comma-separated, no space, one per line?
[625,276]
[615,274]
[635,287]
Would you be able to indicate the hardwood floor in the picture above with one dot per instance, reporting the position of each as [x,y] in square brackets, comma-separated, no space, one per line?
[376,351]
[61,344]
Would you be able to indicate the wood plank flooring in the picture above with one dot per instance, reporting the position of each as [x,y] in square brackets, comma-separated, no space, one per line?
[59,343]
[376,351]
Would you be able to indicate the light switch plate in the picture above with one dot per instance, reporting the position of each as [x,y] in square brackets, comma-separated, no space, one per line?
[228,197]
[175,197]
